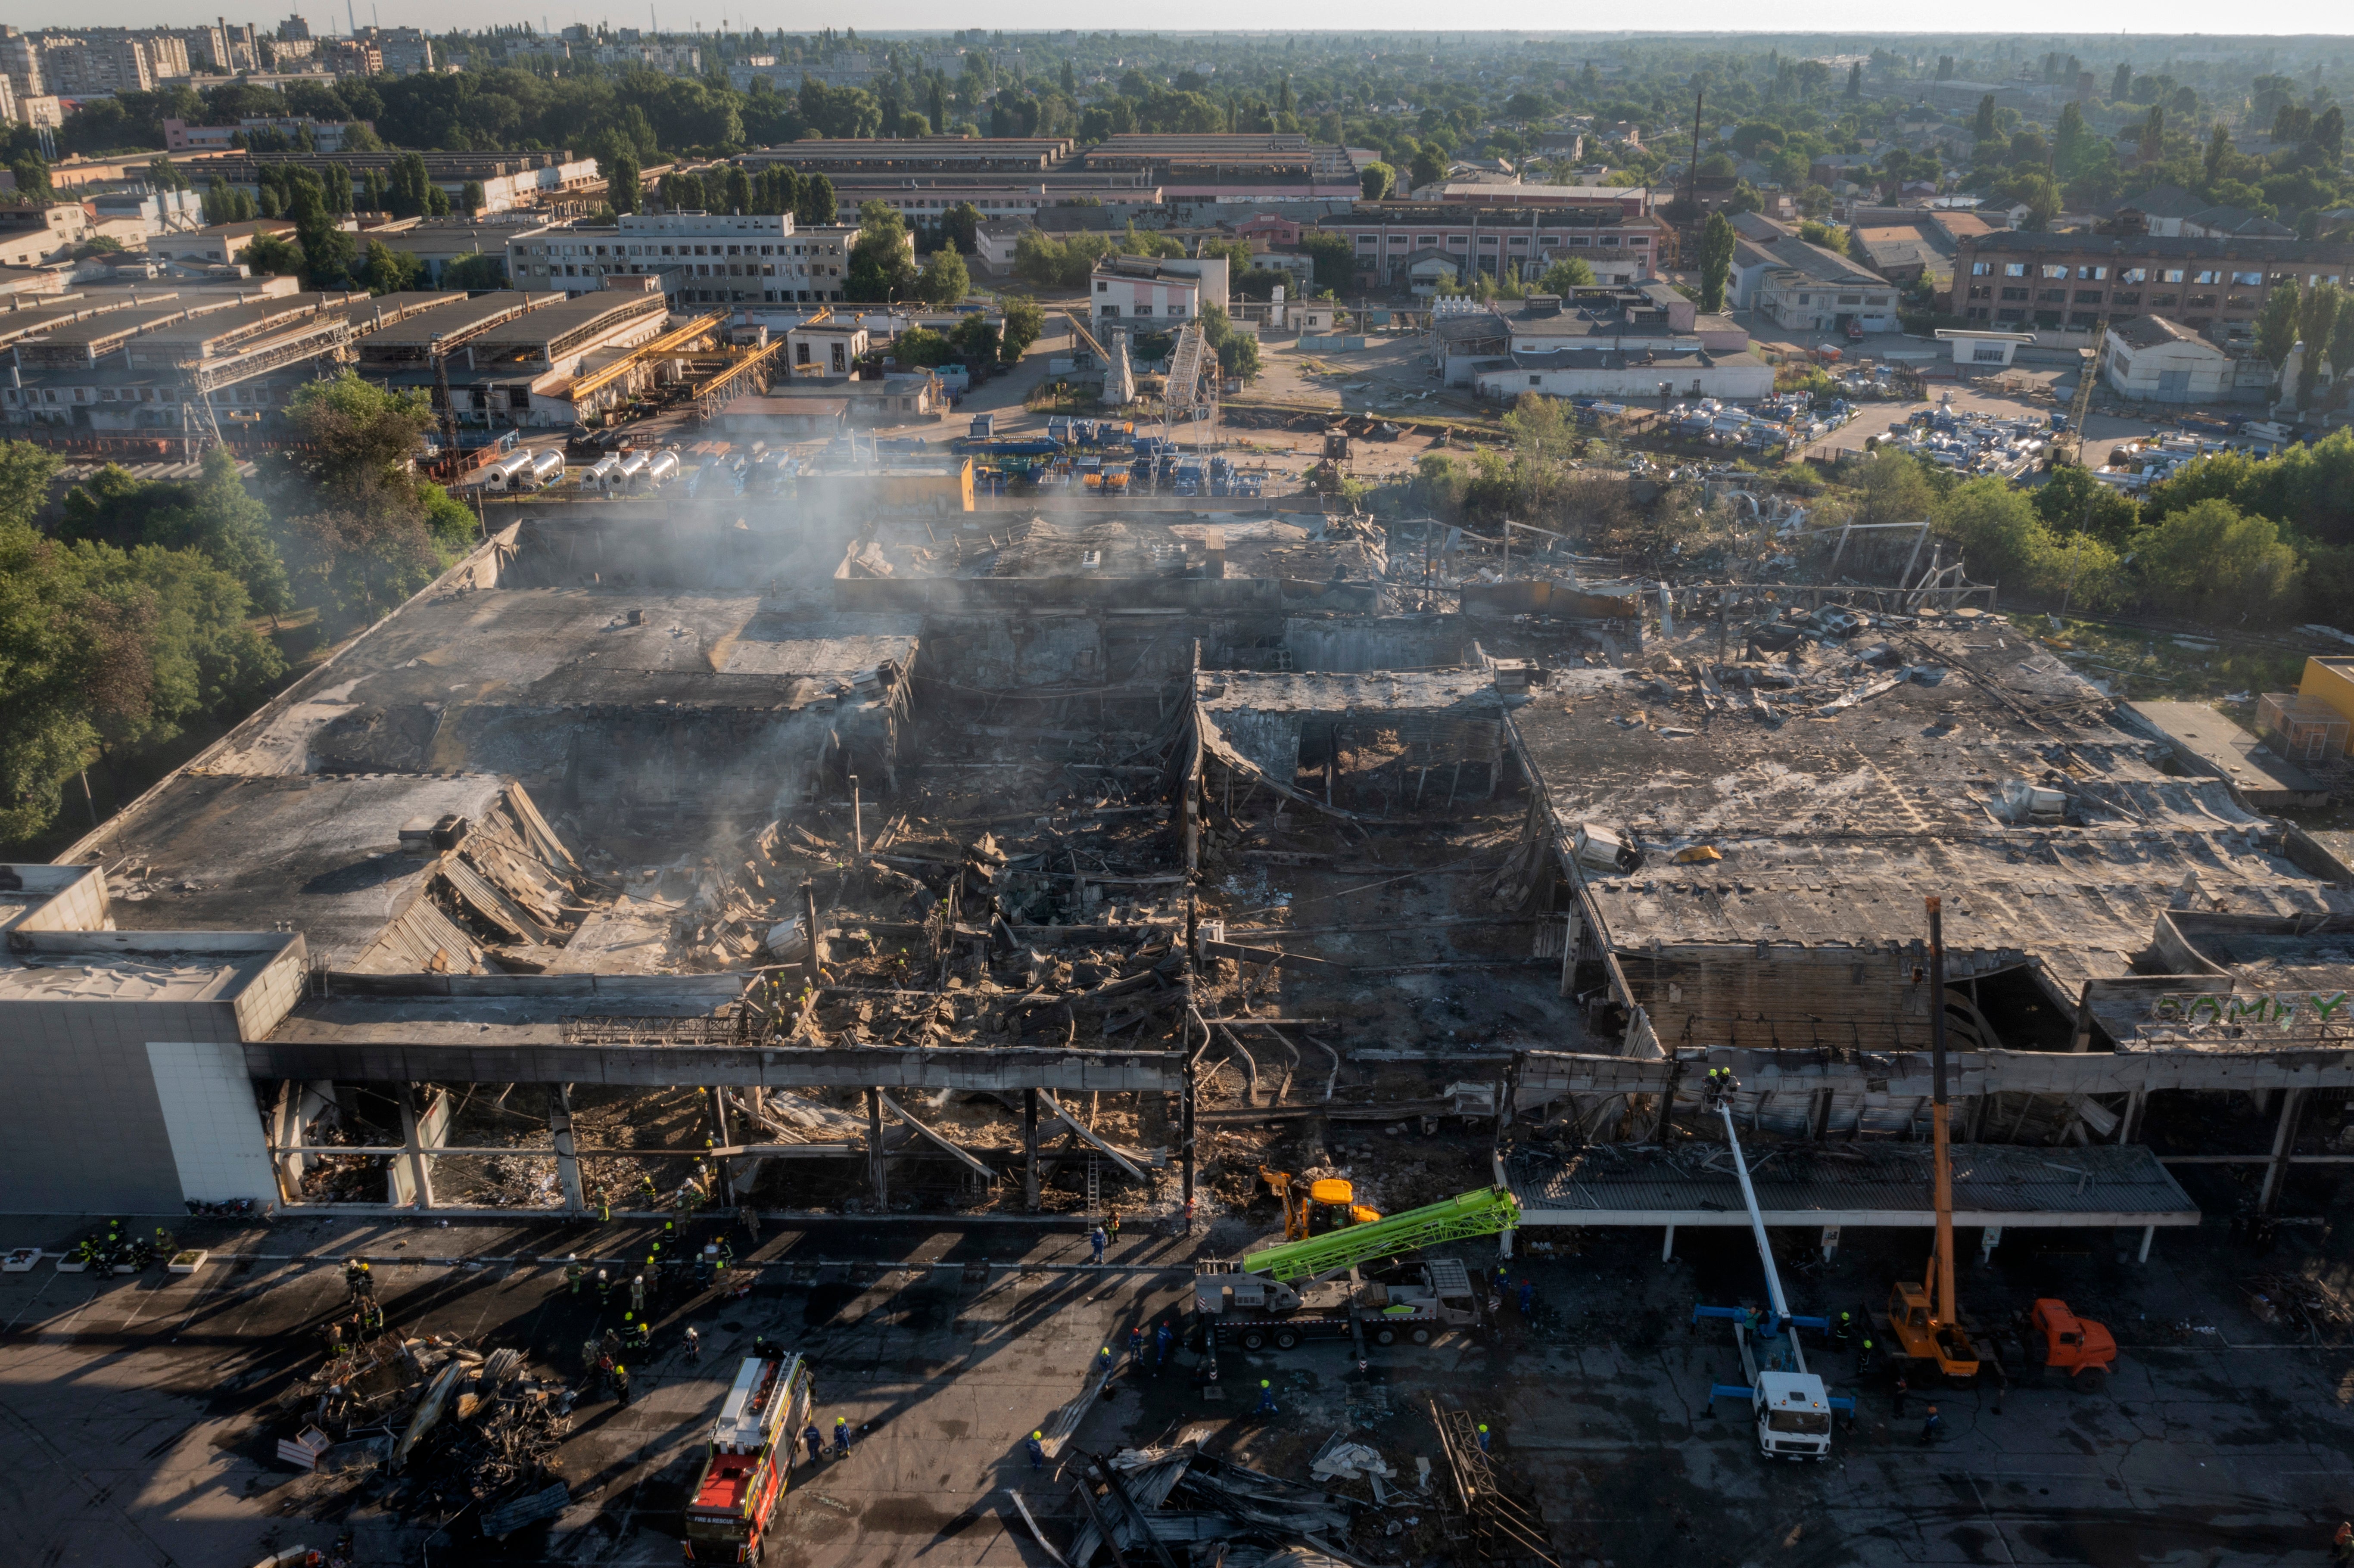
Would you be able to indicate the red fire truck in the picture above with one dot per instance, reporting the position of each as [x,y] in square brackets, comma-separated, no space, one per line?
[743,1474]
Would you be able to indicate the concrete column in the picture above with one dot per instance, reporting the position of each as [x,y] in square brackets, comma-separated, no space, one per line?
[567,1163]
[2284,1141]
[1030,1149]
[809,915]
[1667,1244]
[2136,1104]
[286,1130]
[413,1144]
[874,1149]
[725,1168]
[2148,1234]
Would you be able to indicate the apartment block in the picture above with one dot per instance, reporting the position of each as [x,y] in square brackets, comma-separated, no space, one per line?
[701,258]
[2069,283]
[1620,248]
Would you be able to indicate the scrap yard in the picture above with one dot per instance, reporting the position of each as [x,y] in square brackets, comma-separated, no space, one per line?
[846,1032]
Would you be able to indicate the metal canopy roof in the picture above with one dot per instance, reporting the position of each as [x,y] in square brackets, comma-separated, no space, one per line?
[1835,1184]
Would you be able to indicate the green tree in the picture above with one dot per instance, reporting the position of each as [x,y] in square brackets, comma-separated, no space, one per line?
[2275,331]
[103,650]
[2212,561]
[1716,242]
[2219,152]
[738,193]
[921,347]
[1894,489]
[1024,324]
[1429,166]
[369,532]
[2341,352]
[1238,357]
[385,271]
[682,192]
[1566,272]
[1335,262]
[478,272]
[621,189]
[273,255]
[961,227]
[2152,145]
[473,198]
[881,267]
[817,205]
[1982,127]
[2073,501]
[32,177]
[2072,142]
[2315,318]
[1377,181]
[1855,82]
[976,338]
[944,281]
[327,249]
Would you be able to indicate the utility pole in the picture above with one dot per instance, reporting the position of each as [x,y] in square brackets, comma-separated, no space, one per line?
[448,410]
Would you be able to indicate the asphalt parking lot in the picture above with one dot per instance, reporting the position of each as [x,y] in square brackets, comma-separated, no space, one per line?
[129,1428]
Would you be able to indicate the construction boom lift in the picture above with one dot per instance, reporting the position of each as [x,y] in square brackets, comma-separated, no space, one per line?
[745,1466]
[2082,405]
[1921,1314]
[1295,1290]
[1790,1404]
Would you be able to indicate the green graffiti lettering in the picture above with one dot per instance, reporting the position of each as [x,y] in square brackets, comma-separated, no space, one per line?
[2328,1004]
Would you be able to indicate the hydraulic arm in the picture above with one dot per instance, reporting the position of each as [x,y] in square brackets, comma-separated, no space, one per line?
[1460,1218]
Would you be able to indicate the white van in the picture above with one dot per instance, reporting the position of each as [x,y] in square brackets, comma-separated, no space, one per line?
[501,476]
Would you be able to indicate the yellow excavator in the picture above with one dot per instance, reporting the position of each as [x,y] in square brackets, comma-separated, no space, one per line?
[1314,1208]
[1921,1313]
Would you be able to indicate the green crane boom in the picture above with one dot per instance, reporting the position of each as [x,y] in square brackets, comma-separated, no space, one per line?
[1480,1214]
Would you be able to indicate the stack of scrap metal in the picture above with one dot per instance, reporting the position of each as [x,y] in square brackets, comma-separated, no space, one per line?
[456,1427]
[1217,1504]
[1496,1525]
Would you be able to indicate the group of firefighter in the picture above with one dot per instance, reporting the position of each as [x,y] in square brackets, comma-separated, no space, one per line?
[121,1249]
[675,1265]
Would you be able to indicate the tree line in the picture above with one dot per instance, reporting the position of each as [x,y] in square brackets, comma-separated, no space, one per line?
[137,621]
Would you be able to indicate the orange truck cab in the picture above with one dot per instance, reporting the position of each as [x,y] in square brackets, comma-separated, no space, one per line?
[2078,1349]
[744,1469]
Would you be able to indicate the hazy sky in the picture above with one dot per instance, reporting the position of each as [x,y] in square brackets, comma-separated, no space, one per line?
[2145,16]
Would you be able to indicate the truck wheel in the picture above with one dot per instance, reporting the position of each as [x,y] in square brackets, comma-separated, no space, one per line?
[1422,1336]
[2090,1380]
[1385,1336]
[1252,1339]
[1285,1339]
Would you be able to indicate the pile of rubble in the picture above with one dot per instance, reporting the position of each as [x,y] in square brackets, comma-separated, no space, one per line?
[1157,1500]
[442,1425]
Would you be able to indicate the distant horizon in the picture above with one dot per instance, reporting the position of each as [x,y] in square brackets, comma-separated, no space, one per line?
[932,18]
